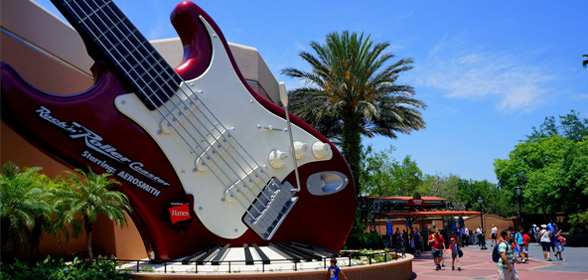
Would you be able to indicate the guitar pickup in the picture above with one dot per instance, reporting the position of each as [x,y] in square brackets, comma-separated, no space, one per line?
[179,114]
[234,193]
[270,208]
[213,151]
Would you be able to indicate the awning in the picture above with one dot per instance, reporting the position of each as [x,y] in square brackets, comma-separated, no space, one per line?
[426,214]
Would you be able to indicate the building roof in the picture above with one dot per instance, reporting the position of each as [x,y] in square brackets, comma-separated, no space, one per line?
[403,198]
[407,206]
[426,214]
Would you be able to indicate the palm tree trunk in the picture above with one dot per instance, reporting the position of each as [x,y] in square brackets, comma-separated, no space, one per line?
[35,238]
[89,242]
[351,146]
[4,225]
[88,227]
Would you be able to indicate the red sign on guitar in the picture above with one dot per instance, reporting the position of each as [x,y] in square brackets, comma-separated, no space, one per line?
[179,213]
[196,133]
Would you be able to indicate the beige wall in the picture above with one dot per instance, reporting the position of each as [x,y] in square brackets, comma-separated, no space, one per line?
[51,56]
[418,224]
[472,223]
[250,63]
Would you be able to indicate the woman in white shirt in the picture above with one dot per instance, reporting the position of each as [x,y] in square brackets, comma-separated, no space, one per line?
[494,237]
[545,240]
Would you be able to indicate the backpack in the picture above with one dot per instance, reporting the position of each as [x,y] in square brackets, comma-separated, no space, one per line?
[519,239]
[496,254]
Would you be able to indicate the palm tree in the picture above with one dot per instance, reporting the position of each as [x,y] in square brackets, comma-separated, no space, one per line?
[89,196]
[25,209]
[351,92]
[45,216]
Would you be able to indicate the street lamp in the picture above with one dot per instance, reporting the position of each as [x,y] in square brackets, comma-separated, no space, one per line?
[483,240]
[519,192]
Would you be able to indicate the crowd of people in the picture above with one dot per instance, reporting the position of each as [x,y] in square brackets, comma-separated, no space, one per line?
[551,240]
[512,245]
[547,235]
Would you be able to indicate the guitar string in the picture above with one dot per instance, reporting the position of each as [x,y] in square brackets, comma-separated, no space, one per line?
[124,60]
[163,68]
[253,171]
[195,100]
[252,204]
[141,77]
[90,30]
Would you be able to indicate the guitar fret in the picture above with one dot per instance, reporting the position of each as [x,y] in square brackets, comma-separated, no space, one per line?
[92,13]
[123,42]
[125,48]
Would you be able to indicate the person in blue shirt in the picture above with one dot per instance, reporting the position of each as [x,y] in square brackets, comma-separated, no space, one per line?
[417,243]
[333,271]
[520,243]
[559,247]
[551,229]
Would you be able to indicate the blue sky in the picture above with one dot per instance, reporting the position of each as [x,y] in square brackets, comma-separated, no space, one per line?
[487,70]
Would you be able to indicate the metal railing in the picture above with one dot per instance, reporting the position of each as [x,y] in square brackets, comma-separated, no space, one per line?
[151,266]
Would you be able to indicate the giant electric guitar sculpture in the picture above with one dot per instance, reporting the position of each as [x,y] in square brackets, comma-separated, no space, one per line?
[197,141]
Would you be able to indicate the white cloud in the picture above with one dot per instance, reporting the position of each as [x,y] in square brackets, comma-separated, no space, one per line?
[300,46]
[580,96]
[476,74]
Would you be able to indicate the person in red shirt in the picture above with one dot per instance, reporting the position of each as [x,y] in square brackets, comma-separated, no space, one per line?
[437,247]
[454,248]
[525,252]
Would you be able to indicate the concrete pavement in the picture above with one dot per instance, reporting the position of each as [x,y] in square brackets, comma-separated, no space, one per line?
[478,264]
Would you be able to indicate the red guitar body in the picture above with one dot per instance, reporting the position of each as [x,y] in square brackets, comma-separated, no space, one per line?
[65,126]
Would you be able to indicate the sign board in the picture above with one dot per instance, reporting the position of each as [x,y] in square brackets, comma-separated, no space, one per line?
[389,228]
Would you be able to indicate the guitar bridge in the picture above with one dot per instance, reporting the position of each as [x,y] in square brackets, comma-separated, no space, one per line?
[270,208]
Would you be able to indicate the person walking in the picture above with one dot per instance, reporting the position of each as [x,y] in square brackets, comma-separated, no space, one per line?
[411,243]
[466,236]
[494,235]
[506,269]
[400,244]
[479,235]
[430,242]
[437,248]
[520,243]
[545,241]
[417,243]
[333,271]
[526,241]
[558,241]
[454,254]
[551,228]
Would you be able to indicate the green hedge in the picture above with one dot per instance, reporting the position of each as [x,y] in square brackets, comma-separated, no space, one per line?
[57,269]
[579,223]
[370,240]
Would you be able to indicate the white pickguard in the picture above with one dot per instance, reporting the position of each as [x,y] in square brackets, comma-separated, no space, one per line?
[243,119]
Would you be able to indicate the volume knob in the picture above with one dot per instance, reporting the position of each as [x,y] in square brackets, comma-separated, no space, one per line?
[321,150]
[300,149]
[277,158]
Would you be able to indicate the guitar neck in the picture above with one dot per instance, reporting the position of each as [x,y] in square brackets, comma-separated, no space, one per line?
[110,35]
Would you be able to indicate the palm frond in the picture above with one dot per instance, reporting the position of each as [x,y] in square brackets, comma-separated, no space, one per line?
[351,90]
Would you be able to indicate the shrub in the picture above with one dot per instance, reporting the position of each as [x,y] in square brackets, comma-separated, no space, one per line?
[370,240]
[52,268]
[579,223]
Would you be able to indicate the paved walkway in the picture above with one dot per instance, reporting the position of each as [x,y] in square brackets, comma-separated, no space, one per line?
[478,264]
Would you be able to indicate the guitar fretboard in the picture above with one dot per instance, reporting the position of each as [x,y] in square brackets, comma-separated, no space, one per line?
[106,29]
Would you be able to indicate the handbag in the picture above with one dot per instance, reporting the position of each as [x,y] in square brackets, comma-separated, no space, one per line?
[459,252]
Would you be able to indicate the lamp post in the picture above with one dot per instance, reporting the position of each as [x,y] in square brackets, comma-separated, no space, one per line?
[519,192]
[483,240]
